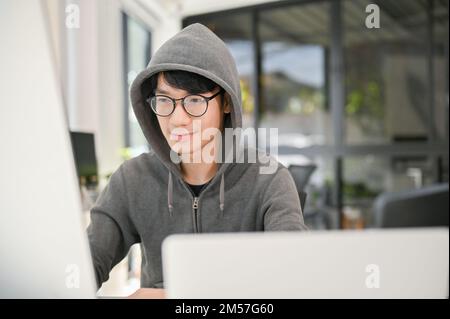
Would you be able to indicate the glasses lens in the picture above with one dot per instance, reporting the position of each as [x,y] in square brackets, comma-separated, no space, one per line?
[195,105]
[162,105]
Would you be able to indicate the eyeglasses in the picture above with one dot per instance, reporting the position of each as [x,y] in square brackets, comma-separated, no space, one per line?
[194,104]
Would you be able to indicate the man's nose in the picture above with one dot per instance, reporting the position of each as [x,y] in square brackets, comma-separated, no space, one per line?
[179,116]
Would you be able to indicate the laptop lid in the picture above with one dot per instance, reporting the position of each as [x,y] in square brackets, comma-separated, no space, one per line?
[410,263]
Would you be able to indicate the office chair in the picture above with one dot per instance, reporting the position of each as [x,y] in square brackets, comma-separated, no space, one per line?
[424,207]
[302,196]
[301,175]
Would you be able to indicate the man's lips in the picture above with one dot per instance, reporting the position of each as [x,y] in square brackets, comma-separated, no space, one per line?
[180,136]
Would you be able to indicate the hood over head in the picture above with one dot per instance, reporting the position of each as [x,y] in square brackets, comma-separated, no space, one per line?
[194,49]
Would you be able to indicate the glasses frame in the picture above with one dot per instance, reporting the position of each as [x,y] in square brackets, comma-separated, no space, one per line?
[174,102]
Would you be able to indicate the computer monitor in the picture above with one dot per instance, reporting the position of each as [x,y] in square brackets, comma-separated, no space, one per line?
[83,145]
[44,252]
[425,207]
[407,263]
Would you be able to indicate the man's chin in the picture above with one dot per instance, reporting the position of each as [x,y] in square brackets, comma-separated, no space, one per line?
[190,157]
[184,148]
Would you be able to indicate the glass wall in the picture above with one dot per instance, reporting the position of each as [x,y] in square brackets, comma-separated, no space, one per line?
[389,108]
[440,83]
[387,74]
[294,47]
[394,95]
[137,39]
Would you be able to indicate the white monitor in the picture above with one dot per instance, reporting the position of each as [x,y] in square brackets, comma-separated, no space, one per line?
[411,263]
[44,251]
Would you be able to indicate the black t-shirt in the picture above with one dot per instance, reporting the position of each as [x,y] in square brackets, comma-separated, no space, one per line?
[197,189]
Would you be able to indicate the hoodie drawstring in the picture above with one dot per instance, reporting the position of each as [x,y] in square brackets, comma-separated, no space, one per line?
[222,194]
[170,194]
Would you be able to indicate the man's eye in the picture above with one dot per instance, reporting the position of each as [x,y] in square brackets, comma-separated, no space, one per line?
[195,100]
[163,100]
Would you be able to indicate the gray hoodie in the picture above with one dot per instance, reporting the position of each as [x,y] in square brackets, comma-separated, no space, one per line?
[147,200]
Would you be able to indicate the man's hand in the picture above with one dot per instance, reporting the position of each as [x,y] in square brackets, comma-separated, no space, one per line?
[148,293]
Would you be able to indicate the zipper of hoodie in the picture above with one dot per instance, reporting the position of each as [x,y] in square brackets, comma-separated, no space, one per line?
[195,214]
[195,202]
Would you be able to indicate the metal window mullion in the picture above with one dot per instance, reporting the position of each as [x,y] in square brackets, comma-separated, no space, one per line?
[256,79]
[125,68]
[337,90]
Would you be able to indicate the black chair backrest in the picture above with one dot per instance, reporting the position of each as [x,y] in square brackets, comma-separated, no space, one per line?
[301,174]
[302,196]
[424,207]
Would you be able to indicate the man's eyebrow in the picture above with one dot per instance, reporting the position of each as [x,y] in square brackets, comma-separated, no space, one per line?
[161,91]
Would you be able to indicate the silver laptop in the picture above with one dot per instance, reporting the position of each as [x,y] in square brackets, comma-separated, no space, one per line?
[411,263]
[44,251]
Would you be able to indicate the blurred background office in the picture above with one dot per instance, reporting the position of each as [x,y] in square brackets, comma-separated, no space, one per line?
[361,111]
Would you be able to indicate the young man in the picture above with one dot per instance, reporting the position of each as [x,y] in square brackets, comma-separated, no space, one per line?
[190,86]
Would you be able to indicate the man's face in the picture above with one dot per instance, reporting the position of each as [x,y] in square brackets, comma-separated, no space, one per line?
[179,128]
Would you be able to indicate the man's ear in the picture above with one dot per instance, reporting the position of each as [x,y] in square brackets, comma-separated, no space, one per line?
[226,103]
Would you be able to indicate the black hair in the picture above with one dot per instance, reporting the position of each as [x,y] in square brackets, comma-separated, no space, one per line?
[183,80]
